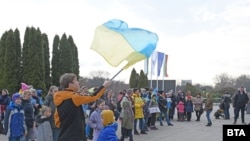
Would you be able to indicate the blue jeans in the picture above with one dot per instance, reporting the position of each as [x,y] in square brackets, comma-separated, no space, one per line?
[166,116]
[208,112]
[145,123]
[226,113]
[17,138]
[141,124]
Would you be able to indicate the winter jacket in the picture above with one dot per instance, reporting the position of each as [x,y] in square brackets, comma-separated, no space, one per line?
[128,118]
[69,115]
[198,103]
[189,106]
[162,104]
[138,106]
[240,100]
[209,104]
[43,129]
[4,102]
[14,121]
[108,133]
[28,113]
[180,107]
[95,122]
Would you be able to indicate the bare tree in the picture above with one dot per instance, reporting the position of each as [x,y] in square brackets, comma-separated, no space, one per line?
[224,81]
[100,74]
[243,81]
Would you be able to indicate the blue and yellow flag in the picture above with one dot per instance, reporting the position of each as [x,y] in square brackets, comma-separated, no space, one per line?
[117,43]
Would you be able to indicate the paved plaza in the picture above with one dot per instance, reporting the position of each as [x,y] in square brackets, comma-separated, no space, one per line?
[185,131]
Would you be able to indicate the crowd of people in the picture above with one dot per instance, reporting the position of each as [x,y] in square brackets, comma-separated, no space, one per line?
[71,112]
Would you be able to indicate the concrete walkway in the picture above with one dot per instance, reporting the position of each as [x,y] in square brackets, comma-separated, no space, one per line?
[185,131]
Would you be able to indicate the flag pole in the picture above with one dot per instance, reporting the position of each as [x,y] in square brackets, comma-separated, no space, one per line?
[116,74]
[126,66]
[151,83]
[163,85]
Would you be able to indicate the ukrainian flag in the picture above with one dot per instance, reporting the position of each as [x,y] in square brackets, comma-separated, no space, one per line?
[117,43]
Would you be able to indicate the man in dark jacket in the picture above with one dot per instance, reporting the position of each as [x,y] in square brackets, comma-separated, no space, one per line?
[239,104]
[69,115]
[162,103]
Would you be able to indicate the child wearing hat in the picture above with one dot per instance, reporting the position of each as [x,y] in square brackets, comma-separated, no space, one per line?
[108,133]
[14,120]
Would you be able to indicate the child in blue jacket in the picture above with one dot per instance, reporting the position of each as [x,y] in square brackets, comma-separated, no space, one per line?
[108,133]
[14,120]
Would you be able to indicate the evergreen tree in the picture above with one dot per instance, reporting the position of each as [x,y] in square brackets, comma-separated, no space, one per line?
[10,70]
[55,75]
[73,48]
[146,84]
[18,57]
[33,59]
[46,61]
[137,81]
[133,79]
[2,52]
[65,56]
[25,55]
[142,81]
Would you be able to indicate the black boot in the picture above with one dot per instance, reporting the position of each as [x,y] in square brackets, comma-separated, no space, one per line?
[122,138]
[209,124]
[143,132]
[136,132]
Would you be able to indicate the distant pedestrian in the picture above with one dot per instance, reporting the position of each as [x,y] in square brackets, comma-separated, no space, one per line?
[198,106]
[4,102]
[138,112]
[208,108]
[239,104]
[162,103]
[226,103]
[181,110]
[189,108]
[127,121]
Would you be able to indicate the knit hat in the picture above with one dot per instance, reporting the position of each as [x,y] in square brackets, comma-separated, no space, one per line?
[39,92]
[15,96]
[108,117]
[24,86]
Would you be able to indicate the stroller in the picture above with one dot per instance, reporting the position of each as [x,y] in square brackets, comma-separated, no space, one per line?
[219,113]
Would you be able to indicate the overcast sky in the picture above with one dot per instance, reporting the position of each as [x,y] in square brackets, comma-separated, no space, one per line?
[203,38]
